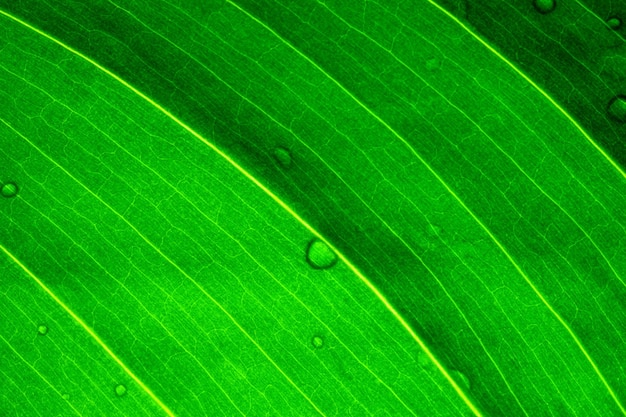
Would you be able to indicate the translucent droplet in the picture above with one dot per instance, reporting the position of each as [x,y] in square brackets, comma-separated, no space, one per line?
[614,22]
[460,379]
[65,396]
[9,189]
[317,342]
[282,156]
[319,255]
[42,330]
[120,390]
[617,108]
[544,6]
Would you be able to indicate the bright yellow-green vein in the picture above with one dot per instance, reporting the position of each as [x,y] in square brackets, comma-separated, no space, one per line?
[539,89]
[90,331]
[170,261]
[593,143]
[284,205]
[460,201]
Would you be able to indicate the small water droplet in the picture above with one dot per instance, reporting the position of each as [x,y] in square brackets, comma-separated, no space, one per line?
[614,22]
[120,390]
[317,342]
[617,108]
[544,6]
[282,156]
[9,189]
[42,330]
[460,379]
[319,255]
[433,64]
[65,396]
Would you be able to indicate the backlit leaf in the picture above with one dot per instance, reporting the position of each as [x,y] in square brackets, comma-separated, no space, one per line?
[301,208]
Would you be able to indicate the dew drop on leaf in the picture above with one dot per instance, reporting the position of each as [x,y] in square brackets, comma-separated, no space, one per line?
[617,108]
[120,390]
[42,330]
[614,23]
[65,396]
[319,255]
[9,190]
[544,6]
[282,156]
[317,342]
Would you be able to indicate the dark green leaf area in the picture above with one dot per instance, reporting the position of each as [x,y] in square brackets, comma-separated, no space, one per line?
[580,65]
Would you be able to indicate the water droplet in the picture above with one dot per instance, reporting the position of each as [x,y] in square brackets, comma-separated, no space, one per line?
[433,64]
[65,396]
[319,255]
[8,190]
[282,156]
[42,330]
[460,379]
[120,390]
[544,6]
[617,108]
[614,22]
[317,342]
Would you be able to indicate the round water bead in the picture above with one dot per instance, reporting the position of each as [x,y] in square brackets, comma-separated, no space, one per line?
[544,6]
[319,255]
[317,342]
[282,156]
[9,189]
[614,22]
[617,108]
[120,390]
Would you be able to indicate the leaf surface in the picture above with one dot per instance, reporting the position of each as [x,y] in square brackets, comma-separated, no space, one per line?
[298,208]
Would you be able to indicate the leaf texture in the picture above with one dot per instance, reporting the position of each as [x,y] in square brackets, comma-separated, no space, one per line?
[253,207]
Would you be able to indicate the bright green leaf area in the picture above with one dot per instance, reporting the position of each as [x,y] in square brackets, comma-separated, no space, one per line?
[297,208]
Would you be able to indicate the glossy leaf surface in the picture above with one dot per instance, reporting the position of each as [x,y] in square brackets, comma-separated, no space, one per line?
[306,208]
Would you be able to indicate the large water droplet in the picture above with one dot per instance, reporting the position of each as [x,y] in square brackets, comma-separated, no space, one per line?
[42,330]
[9,189]
[614,22]
[282,156]
[460,379]
[120,390]
[617,108]
[544,6]
[317,342]
[319,255]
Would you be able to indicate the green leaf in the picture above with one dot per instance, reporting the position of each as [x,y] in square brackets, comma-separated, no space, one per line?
[308,208]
